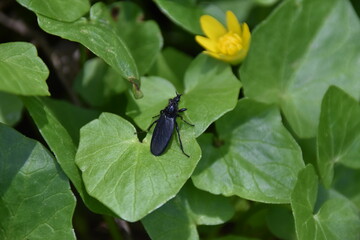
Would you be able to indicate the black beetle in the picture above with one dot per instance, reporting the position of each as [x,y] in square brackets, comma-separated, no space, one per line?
[165,127]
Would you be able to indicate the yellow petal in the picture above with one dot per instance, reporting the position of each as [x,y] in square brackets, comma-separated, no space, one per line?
[245,35]
[232,23]
[236,59]
[207,43]
[212,28]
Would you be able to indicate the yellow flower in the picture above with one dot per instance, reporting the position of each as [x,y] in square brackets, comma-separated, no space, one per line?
[229,45]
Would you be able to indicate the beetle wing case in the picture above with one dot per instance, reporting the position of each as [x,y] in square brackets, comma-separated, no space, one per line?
[162,134]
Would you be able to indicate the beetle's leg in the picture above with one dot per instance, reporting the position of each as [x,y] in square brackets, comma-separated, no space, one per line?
[181,146]
[152,124]
[182,109]
[185,120]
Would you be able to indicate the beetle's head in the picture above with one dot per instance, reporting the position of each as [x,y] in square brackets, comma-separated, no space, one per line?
[175,99]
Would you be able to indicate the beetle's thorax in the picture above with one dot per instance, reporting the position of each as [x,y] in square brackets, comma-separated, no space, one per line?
[172,108]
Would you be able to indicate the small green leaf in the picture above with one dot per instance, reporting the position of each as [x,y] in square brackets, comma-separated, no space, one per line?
[336,219]
[258,159]
[58,9]
[10,108]
[178,218]
[143,38]
[292,63]
[98,83]
[35,197]
[121,172]
[21,70]
[98,36]
[339,133]
[204,76]
[171,64]
[57,121]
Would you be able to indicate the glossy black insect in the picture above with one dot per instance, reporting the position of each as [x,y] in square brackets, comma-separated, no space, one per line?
[165,127]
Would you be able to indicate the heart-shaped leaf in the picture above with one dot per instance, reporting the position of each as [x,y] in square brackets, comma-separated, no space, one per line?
[35,197]
[292,63]
[58,9]
[178,218]
[204,76]
[21,70]
[121,172]
[258,160]
[337,218]
[339,133]
[59,120]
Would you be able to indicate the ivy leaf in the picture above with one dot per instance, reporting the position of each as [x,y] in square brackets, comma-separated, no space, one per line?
[258,159]
[120,171]
[10,108]
[59,120]
[35,197]
[189,208]
[21,70]
[299,61]
[58,9]
[336,219]
[98,83]
[101,38]
[204,76]
[339,133]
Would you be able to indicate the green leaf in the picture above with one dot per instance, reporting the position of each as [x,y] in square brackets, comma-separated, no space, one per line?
[157,92]
[171,64]
[121,172]
[345,180]
[35,197]
[143,38]
[178,218]
[57,121]
[258,159]
[339,133]
[21,70]
[211,90]
[337,218]
[204,76]
[98,36]
[98,83]
[187,13]
[10,108]
[58,9]
[280,222]
[292,63]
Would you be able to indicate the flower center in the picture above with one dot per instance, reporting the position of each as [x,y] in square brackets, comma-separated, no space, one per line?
[230,43]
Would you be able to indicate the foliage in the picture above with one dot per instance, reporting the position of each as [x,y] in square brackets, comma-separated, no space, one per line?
[274,153]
